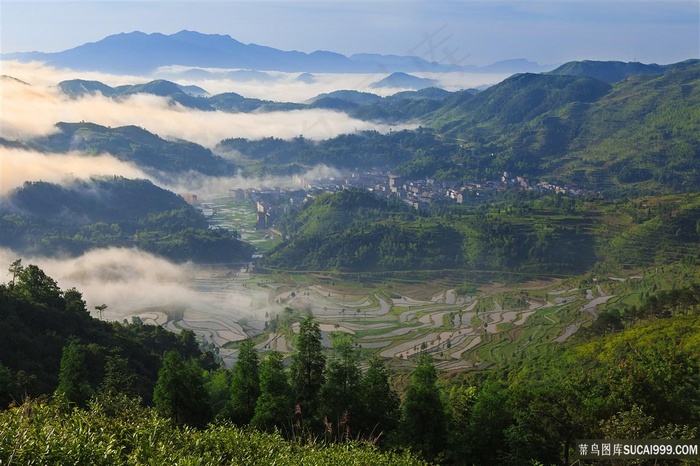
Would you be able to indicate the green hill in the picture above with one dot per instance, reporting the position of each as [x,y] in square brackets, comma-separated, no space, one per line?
[354,230]
[364,149]
[39,319]
[607,71]
[48,219]
[136,145]
[165,88]
[523,234]
[640,133]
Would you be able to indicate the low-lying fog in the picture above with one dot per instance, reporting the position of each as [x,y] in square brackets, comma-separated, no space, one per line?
[133,282]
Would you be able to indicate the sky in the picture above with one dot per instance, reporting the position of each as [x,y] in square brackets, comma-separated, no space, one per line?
[465,32]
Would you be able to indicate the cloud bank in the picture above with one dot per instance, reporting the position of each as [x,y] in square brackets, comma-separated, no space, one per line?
[34,108]
[131,281]
[19,165]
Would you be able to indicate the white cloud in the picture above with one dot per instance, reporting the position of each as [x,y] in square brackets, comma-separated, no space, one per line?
[130,282]
[33,110]
[18,166]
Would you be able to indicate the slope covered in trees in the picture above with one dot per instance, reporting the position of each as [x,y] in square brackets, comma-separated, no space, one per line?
[136,145]
[643,129]
[621,136]
[607,71]
[519,232]
[48,341]
[362,150]
[49,219]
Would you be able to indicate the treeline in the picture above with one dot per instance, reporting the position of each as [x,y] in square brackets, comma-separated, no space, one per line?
[662,305]
[514,231]
[48,219]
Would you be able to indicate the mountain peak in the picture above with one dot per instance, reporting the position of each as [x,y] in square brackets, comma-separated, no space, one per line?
[401,80]
[143,53]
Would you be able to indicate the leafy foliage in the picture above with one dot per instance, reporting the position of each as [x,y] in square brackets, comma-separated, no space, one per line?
[123,432]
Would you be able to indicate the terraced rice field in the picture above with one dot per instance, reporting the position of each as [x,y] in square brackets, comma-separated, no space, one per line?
[459,331]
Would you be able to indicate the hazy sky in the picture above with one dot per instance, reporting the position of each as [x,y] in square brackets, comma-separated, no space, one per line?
[461,32]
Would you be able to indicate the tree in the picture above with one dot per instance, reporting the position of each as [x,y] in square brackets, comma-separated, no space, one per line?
[307,366]
[245,385]
[489,419]
[218,384]
[460,400]
[662,380]
[188,343]
[16,268]
[101,309]
[73,376]
[35,286]
[379,408]
[274,406]
[180,392]
[424,420]
[119,378]
[338,395]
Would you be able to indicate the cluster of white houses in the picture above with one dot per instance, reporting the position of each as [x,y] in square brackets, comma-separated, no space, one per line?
[419,194]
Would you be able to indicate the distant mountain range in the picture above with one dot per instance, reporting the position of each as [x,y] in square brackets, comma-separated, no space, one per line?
[598,125]
[140,53]
[402,106]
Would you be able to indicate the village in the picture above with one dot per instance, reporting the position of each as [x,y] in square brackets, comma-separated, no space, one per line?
[419,194]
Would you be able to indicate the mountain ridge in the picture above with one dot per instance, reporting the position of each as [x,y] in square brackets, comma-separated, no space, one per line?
[140,53]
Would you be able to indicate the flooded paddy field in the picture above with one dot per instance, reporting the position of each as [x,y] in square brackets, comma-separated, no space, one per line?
[459,331]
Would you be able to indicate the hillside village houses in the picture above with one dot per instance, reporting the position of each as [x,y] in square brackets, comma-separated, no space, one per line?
[419,194]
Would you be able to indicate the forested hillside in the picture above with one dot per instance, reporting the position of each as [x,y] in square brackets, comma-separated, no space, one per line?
[362,150]
[518,232]
[136,145]
[582,130]
[49,219]
[620,136]
[41,325]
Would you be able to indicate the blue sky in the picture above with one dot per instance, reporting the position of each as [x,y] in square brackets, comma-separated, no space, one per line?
[462,32]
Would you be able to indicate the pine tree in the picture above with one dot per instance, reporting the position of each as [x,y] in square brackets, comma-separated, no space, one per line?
[119,378]
[73,376]
[424,419]
[245,385]
[338,395]
[378,402]
[274,407]
[180,392]
[307,366]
